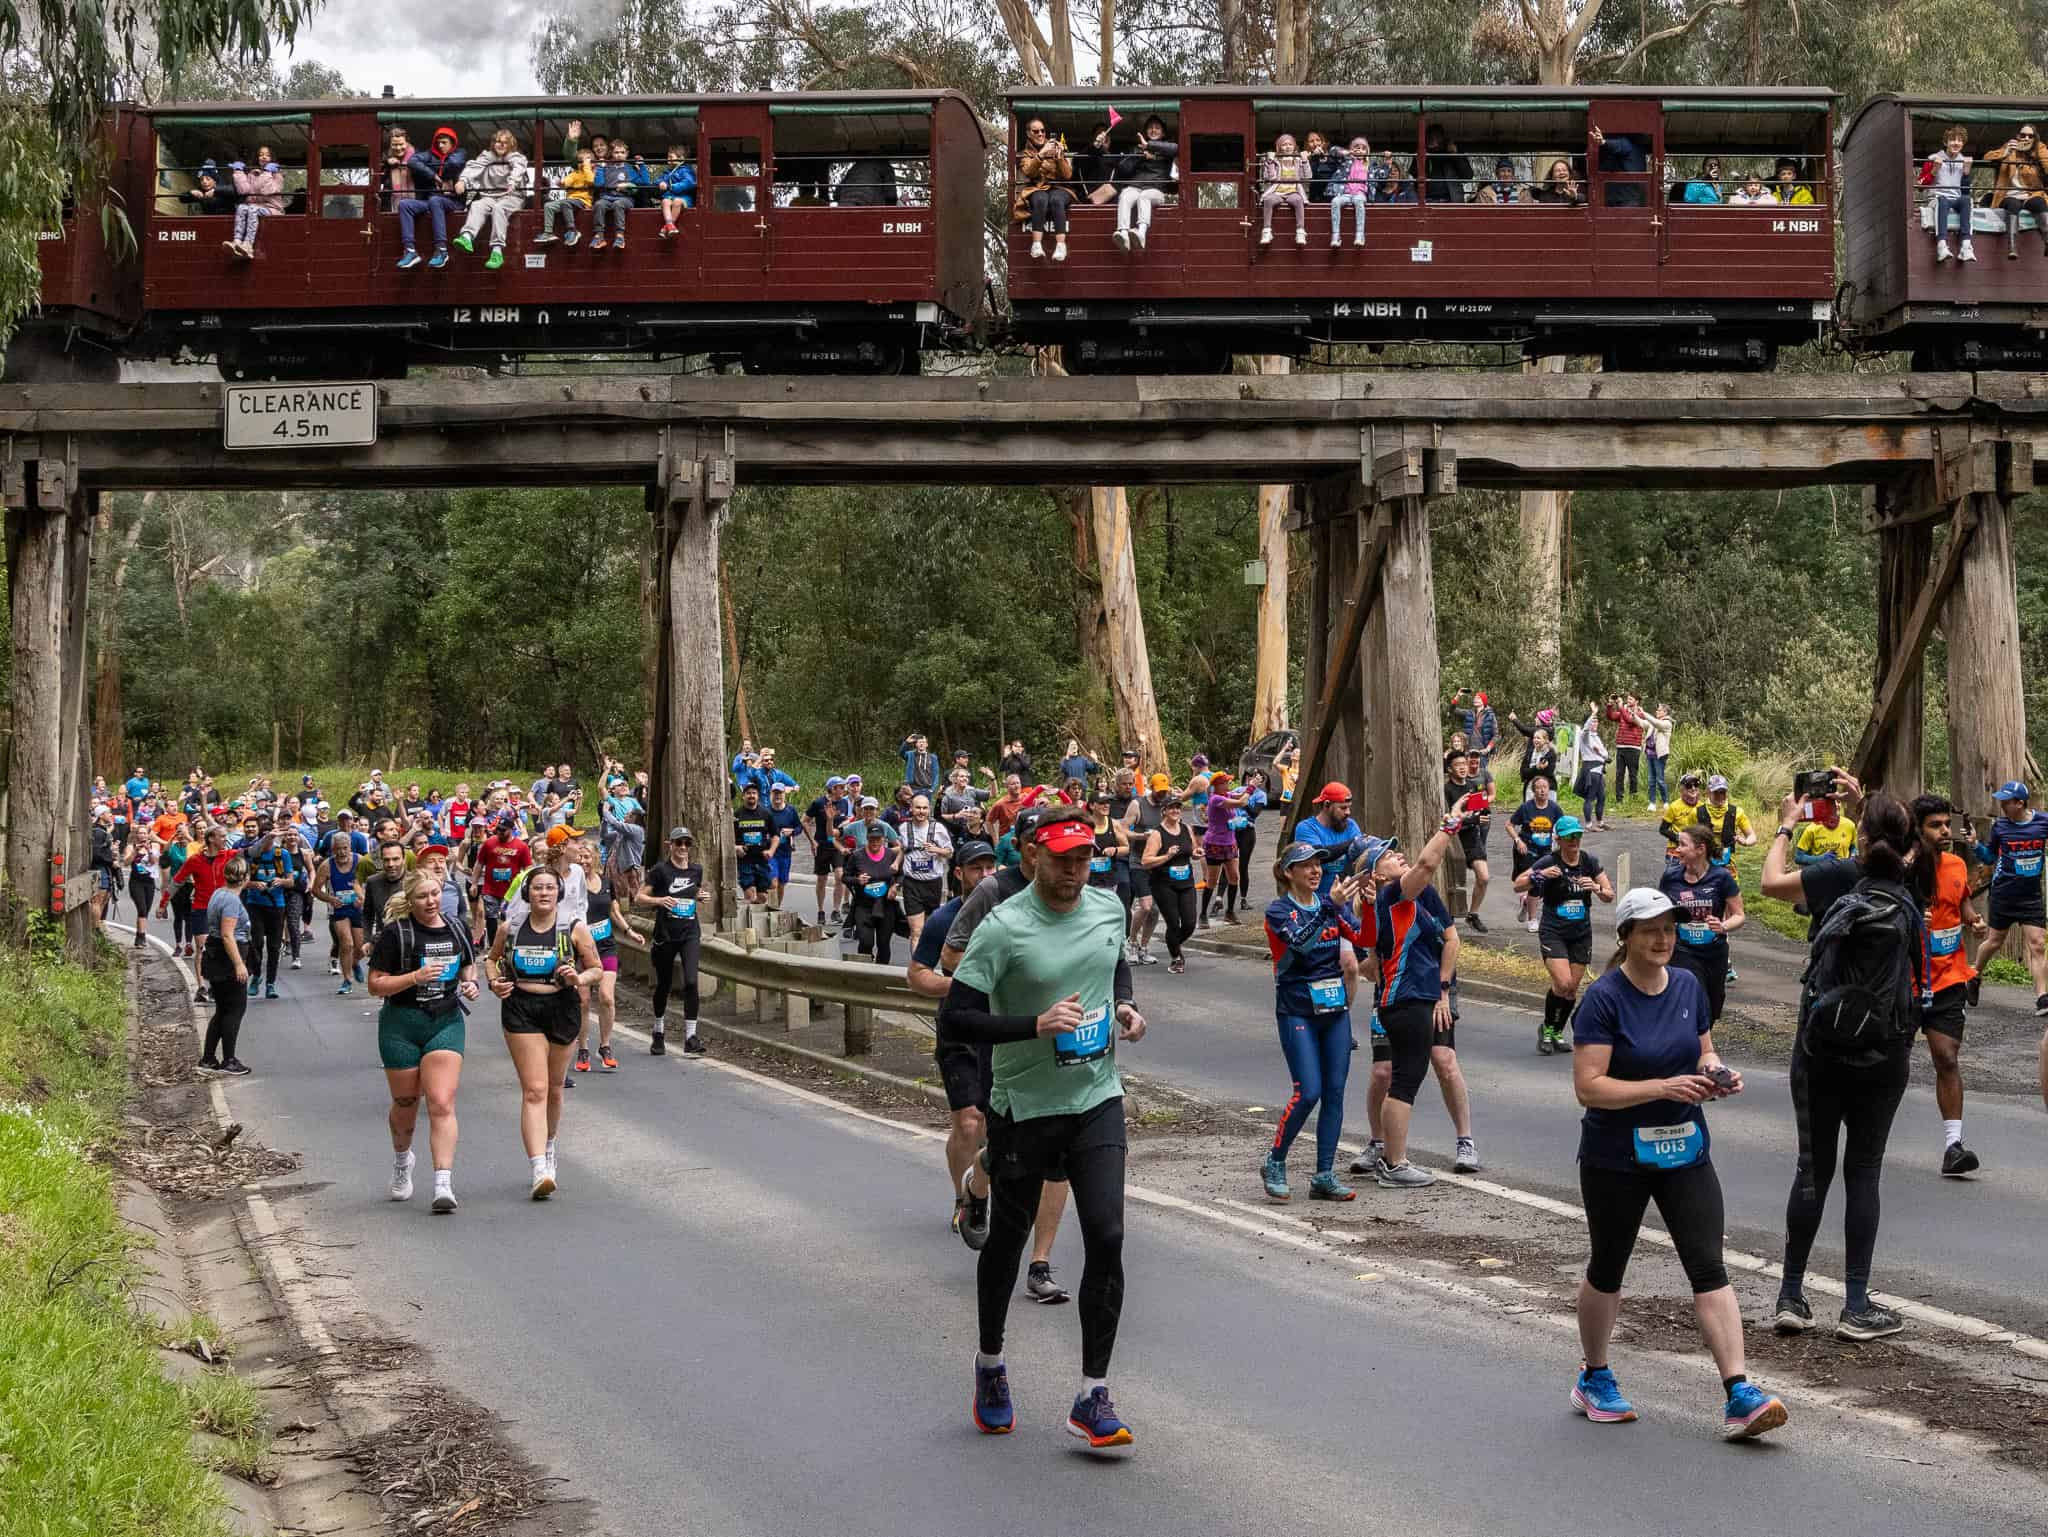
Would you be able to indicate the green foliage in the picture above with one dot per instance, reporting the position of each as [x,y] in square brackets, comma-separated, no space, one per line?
[96,1439]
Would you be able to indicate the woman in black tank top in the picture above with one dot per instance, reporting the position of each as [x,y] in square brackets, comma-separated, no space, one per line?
[1170,860]
[536,970]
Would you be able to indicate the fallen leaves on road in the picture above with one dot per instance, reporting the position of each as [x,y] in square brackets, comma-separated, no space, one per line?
[446,1467]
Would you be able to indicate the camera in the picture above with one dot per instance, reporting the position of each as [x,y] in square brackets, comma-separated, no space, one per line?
[1813,784]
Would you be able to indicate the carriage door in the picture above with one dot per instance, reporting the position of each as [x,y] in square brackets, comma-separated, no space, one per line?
[1219,212]
[1628,205]
[342,163]
[732,180]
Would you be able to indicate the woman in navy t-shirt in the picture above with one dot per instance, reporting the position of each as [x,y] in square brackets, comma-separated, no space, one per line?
[1644,1065]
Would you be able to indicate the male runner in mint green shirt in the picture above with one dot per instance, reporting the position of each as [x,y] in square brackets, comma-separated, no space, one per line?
[1045,983]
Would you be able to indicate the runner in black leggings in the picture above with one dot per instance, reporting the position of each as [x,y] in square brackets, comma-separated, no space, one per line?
[1246,821]
[672,888]
[1643,1067]
[1169,862]
[1045,984]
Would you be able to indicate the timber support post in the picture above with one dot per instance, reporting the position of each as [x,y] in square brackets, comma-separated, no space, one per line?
[49,569]
[693,495]
[1971,591]
[1373,671]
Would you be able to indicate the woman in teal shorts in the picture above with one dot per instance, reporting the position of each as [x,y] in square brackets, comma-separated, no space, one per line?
[424,968]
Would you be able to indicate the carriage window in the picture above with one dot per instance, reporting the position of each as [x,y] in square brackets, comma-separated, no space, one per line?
[1506,155]
[1216,161]
[651,138]
[1980,135]
[344,180]
[195,160]
[1327,130]
[1718,158]
[735,169]
[869,156]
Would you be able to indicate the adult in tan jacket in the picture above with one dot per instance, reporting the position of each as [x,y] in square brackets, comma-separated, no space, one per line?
[1044,190]
[2022,185]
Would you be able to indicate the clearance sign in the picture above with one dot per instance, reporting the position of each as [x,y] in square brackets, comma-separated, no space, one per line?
[299,416]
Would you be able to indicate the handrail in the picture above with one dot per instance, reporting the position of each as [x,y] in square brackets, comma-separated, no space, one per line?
[855,984]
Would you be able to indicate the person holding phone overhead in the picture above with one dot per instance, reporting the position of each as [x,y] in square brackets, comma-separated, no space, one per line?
[1644,1068]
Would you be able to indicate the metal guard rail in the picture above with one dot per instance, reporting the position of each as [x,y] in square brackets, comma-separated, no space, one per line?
[859,985]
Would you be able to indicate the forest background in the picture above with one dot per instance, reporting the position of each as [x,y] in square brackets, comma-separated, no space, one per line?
[508,628]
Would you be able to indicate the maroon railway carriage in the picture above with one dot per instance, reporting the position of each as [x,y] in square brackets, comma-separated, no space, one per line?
[1618,263]
[835,231]
[1989,313]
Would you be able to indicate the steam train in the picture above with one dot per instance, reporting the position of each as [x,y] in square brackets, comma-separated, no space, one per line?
[854,232]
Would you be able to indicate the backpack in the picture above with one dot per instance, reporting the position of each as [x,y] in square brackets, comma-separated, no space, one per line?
[1860,992]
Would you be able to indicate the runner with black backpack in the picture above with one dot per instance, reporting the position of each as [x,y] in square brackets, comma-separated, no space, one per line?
[1861,1003]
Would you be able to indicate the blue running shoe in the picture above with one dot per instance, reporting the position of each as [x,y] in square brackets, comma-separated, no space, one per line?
[993,1415]
[439,258]
[1597,1396]
[410,260]
[1750,1412]
[1273,1173]
[270,991]
[1327,1187]
[1094,1420]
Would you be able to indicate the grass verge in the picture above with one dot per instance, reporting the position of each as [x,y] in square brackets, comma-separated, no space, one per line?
[93,1438]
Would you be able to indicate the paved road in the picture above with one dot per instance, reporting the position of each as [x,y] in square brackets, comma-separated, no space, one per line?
[1972,1246]
[742,1316]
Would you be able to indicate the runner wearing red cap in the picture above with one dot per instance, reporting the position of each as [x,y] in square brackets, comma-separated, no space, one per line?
[1333,832]
[1044,982]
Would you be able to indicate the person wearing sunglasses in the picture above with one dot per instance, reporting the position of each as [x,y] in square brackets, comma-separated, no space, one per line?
[2022,186]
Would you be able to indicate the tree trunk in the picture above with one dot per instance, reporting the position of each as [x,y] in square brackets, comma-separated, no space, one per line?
[72,735]
[1105,47]
[1091,633]
[1987,734]
[1269,693]
[1408,730]
[1137,707]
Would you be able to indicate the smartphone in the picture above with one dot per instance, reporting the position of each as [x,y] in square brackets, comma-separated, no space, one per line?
[1724,1080]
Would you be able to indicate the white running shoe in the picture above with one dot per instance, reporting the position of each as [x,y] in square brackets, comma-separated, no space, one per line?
[444,1194]
[1037,249]
[1265,237]
[543,1186]
[1968,252]
[401,1178]
[1123,239]
[1941,253]
[1301,237]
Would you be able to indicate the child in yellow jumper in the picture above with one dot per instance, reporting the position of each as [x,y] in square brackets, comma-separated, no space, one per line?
[576,191]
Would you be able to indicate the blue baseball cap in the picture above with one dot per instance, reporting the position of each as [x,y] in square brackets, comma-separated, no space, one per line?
[834,782]
[1299,854]
[2011,790]
[1569,827]
[1372,850]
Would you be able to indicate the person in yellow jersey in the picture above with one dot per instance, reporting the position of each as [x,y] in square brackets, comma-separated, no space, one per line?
[1729,821]
[1830,835]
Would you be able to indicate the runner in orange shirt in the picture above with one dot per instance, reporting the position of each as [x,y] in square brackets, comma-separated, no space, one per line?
[1947,902]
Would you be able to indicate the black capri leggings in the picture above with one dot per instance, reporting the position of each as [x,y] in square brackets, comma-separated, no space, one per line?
[183,928]
[1848,1113]
[142,891]
[1247,840]
[1411,1032]
[230,1002]
[1176,903]
[1689,1201]
[266,939]
[666,953]
[1049,209]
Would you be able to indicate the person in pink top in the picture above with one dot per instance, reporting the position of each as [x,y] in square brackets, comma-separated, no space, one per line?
[262,192]
[1350,183]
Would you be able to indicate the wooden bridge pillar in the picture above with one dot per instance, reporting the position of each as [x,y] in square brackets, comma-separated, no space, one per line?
[49,572]
[1987,714]
[1375,718]
[1971,590]
[689,771]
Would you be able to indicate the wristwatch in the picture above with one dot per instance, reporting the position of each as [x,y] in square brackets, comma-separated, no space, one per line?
[1788,832]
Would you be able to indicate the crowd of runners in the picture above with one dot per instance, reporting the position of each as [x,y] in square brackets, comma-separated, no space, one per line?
[1030,904]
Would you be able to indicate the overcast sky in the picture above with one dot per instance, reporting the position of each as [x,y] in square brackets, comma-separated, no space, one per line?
[460,48]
